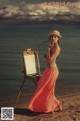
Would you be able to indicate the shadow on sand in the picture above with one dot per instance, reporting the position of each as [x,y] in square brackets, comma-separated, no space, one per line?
[25,111]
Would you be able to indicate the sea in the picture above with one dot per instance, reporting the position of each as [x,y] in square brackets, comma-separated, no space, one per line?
[15,38]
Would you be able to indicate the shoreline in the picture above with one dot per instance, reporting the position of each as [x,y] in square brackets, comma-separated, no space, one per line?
[26,95]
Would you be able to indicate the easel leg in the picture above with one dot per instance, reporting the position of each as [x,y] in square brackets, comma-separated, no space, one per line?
[19,93]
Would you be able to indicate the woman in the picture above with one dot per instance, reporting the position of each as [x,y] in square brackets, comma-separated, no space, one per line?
[44,99]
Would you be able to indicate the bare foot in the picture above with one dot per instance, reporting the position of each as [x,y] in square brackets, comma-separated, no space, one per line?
[60,107]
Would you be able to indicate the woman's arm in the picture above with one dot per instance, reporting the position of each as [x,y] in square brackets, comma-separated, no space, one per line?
[47,55]
[55,52]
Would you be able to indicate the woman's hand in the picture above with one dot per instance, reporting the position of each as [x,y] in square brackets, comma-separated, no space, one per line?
[49,47]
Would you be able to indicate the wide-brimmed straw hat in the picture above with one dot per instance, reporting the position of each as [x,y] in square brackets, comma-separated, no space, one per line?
[55,32]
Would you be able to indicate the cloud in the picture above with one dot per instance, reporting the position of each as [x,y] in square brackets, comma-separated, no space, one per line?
[41,12]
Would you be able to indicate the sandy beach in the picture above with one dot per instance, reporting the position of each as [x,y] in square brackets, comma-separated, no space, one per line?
[70,104]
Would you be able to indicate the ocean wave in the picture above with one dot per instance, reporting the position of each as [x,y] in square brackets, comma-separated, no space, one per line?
[53,11]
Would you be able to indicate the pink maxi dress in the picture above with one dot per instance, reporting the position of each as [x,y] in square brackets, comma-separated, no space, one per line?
[44,99]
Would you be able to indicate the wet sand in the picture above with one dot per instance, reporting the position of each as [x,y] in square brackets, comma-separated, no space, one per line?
[70,104]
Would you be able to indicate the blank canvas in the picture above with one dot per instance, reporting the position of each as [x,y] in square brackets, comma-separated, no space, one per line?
[30,64]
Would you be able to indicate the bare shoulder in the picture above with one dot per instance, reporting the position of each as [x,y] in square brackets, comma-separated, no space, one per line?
[57,47]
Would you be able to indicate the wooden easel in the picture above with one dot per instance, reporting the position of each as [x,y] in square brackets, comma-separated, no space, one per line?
[31,68]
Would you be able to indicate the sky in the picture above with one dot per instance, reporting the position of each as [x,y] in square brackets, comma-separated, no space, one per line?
[14,2]
[12,11]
